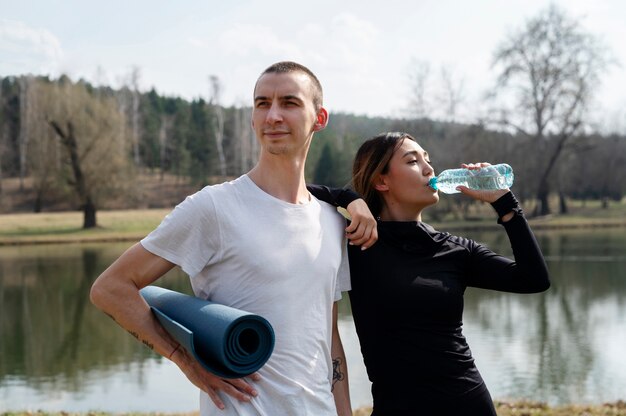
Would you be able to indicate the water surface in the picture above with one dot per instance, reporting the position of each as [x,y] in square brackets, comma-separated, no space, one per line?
[57,352]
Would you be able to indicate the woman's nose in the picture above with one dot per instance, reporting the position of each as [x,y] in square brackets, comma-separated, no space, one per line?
[428,170]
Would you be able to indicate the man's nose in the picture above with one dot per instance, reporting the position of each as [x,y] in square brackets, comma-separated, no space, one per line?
[274,114]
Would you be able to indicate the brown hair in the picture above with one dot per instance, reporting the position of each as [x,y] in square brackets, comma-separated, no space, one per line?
[371,160]
[285,67]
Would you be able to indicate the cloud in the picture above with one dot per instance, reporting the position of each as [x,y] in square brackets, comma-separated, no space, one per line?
[25,49]
[339,50]
[243,40]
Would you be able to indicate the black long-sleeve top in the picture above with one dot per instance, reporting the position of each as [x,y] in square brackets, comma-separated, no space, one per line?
[407,304]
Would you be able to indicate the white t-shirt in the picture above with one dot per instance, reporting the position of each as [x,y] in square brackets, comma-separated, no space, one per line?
[286,262]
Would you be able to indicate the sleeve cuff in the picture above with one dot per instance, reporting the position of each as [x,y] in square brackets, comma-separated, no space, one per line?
[505,204]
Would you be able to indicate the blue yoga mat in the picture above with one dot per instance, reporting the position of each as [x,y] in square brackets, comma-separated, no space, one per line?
[228,342]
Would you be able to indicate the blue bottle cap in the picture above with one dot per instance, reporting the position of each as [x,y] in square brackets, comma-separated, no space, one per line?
[433,183]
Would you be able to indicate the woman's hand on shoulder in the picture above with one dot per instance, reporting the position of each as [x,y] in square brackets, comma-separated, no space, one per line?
[362,230]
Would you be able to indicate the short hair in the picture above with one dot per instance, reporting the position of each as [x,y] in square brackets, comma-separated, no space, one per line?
[285,67]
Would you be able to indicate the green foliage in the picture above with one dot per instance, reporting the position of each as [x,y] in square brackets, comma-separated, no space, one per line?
[199,143]
[326,166]
[178,137]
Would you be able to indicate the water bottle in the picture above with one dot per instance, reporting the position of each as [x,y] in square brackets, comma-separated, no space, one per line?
[487,178]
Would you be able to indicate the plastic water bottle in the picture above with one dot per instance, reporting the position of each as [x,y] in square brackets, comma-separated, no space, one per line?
[487,178]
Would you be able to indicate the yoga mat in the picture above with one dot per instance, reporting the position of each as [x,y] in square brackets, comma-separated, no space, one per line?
[228,342]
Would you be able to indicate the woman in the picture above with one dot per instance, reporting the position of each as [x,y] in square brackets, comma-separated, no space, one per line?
[407,289]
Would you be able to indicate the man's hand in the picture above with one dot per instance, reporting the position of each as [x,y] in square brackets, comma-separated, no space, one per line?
[362,230]
[210,383]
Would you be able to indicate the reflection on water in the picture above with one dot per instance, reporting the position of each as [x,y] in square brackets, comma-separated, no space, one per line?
[57,352]
[563,345]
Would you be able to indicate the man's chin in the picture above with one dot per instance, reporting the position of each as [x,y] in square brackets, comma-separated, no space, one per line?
[278,150]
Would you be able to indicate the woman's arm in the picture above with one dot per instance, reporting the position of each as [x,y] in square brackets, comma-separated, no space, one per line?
[362,230]
[528,273]
[339,197]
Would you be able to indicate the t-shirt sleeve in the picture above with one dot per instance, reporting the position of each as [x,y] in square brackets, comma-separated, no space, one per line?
[343,276]
[187,236]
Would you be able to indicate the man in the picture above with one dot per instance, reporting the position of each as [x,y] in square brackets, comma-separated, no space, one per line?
[263,244]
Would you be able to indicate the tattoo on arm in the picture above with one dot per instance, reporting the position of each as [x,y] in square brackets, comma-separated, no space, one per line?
[134,334]
[337,374]
[143,341]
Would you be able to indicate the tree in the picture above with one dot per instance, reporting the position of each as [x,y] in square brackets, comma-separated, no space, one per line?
[43,153]
[218,122]
[452,93]
[419,101]
[27,99]
[325,169]
[552,67]
[89,128]
[2,134]
[129,99]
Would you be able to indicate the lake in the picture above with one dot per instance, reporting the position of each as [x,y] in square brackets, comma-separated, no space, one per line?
[57,352]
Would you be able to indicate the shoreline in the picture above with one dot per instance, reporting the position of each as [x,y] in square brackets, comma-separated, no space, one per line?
[503,408]
[132,225]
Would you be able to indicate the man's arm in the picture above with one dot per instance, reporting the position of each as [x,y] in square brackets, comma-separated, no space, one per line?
[340,387]
[116,293]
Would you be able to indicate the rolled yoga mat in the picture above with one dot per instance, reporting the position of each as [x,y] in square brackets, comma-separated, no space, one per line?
[228,342]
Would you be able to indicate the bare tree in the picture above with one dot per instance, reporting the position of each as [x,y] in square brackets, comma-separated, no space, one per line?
[135,114]
[218,124]
[167,120]
[419,76]
[248,148]
[27,99]
[88,129]
[2,134]
[452,93]
[129,100]
[551,68]
[43,155]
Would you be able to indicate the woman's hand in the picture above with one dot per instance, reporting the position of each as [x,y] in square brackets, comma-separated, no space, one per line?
[484,195]
[362,230]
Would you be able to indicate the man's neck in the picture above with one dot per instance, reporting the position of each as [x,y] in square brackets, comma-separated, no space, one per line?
[281,177]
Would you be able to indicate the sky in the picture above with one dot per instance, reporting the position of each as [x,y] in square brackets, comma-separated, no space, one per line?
[363,52]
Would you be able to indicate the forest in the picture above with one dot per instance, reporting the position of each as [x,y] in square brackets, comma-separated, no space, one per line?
[73,145]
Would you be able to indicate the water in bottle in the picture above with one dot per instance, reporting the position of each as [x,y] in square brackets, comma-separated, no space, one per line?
[487,178]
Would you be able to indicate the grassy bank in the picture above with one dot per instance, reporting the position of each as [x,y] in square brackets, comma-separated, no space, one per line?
[503,409]
[65,227]
[132,225]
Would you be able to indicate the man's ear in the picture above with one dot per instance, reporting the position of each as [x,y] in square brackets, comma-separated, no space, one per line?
[380,183]
[321,119]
